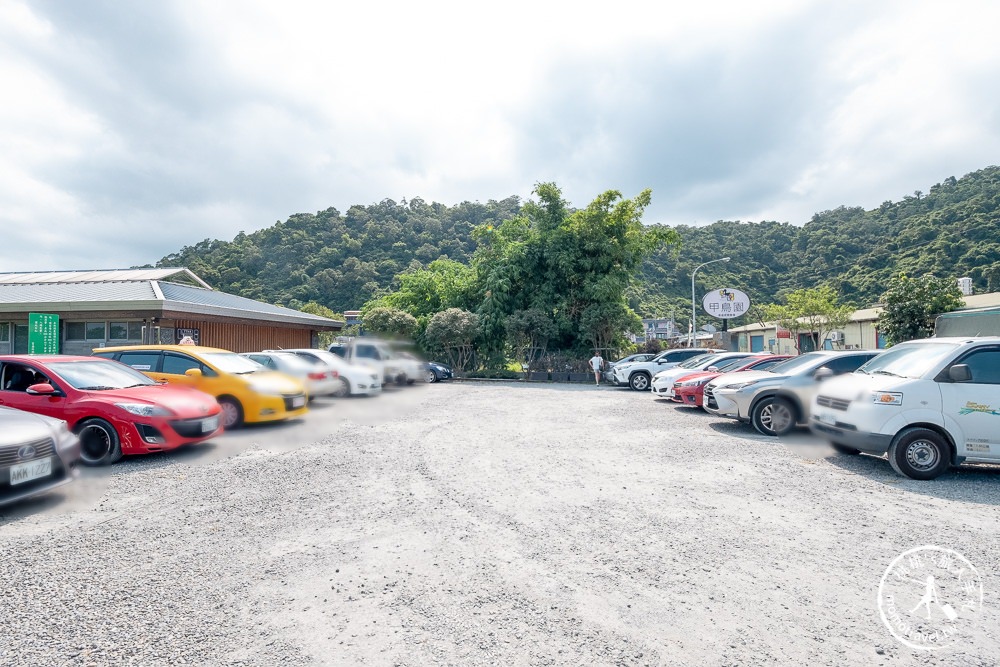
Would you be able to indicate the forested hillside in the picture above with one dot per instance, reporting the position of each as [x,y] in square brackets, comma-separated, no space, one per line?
[342,260]
[339,260]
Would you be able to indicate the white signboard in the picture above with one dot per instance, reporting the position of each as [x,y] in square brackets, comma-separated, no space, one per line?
[726,303]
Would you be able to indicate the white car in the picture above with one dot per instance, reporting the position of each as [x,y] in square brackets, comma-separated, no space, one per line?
[318,381]
[352,380]
[663,382]
[928,404]
[638,375]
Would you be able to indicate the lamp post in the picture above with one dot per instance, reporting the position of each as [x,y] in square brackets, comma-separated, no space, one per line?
[694,328]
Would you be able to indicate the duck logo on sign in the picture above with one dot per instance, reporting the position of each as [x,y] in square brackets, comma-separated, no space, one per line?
[726,303]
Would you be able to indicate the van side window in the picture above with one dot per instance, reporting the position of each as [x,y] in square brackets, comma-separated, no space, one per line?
[984,365]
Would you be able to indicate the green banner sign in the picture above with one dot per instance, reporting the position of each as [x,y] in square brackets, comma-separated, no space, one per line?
[43,333]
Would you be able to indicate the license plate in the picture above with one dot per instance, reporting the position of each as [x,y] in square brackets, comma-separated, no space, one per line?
[209,424]
[826,419]
[25,472]
[298,401]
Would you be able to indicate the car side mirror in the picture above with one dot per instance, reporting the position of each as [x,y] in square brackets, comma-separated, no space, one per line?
[712,369]
[960,373]
[193,372]
[42,388]
[823,373]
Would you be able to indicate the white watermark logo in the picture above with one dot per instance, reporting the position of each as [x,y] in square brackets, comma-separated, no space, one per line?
[929,597]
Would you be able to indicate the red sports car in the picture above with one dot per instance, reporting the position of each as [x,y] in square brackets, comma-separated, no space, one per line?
[690,389]
[114,409]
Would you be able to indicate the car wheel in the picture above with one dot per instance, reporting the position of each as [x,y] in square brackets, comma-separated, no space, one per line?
[232,413]
[431,376]
[919,453]
[762,416]
[639,381]
[783,416]
[343,388]
[844,449]
[99,442]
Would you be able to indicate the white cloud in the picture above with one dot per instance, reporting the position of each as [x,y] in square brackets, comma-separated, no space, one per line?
[153,126]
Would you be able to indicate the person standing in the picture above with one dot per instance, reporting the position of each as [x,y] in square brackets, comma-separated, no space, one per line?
[597,363]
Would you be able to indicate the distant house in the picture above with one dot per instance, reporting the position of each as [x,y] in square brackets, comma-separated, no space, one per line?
[980,312]
[352,318]
[136,306]
[656,328]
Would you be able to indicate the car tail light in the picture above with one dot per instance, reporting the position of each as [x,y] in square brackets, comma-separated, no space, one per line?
[317,376]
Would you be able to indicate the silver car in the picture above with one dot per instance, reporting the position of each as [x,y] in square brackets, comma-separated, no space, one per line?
[777,400]
[37,453]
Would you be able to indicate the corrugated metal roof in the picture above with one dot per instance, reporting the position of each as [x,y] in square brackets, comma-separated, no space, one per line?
[229,304]
[114,275]
[145,295]
[76,293]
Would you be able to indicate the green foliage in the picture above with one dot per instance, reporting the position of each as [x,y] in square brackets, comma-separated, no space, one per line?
[340,260]
[424,291]
[528,334]
[814,311]
[390,322]
[453,332]
[313,308]
[911,304]
[573,266]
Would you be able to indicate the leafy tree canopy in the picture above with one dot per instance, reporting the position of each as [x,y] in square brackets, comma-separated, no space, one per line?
[911,304]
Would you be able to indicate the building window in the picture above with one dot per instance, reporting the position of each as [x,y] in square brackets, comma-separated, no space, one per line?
[125,331]
[4,332]
[85,331]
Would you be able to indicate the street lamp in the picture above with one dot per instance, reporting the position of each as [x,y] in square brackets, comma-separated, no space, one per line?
[694,328]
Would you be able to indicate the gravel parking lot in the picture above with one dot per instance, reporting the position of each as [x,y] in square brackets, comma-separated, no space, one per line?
[484,524]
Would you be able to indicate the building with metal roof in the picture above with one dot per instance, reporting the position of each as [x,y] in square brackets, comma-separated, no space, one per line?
[100,308]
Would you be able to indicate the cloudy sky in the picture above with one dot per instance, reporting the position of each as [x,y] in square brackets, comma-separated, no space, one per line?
[131,129]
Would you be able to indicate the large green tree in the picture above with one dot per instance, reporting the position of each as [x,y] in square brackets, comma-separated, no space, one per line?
[389,322]
[573,265]
[911,304]
[815,312]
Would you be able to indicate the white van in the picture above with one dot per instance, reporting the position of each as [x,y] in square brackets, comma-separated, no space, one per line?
[929,404]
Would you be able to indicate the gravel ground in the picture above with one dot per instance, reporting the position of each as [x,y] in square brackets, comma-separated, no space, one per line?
[486,524]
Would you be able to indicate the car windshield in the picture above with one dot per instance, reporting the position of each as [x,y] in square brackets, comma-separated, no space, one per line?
[732,364]
[696,362]
[294,362]
[909,360]
[230,362]
[98,375]
[796,364]
[326,358]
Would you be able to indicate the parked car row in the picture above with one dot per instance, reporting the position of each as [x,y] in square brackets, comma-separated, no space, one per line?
[927,405]
[57,411]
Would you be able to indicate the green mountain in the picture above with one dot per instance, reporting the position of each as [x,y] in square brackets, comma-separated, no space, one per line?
[343,260]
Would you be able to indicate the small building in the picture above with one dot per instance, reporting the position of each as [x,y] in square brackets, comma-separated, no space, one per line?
[144,306]
[980,313]
[352,318]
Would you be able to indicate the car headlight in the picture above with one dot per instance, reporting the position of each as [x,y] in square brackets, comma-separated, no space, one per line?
[887,398]
[694,383]
[740,385]
[144,409]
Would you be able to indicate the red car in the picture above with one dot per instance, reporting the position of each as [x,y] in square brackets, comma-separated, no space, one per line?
[690,389]
[114,409]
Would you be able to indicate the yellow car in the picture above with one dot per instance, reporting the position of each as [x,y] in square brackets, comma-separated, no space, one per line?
[247,391]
